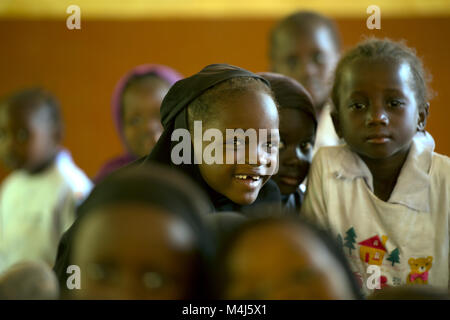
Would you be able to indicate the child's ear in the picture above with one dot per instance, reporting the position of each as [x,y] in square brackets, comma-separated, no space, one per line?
[57,134]
[423,115]
[337,127]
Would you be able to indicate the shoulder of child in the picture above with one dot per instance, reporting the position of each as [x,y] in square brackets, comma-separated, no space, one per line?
[73,176]
[441,165]
[329,154]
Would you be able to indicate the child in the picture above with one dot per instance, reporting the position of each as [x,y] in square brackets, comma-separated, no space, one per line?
[283,259]
[385,194]
[135,109]
[222,97]
[306,46]
[36,200]
[29,281]
[297,133]
[139,235]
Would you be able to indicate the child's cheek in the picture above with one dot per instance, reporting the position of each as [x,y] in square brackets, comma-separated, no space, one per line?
[273,164]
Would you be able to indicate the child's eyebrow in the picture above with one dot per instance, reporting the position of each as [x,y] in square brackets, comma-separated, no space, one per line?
[394,91]
[358,93]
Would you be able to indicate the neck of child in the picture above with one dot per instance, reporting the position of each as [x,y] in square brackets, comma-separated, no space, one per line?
[43,165]
[385,173]
[319,110]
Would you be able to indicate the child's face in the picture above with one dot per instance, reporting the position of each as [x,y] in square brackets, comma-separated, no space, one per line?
[135,252]
[26,139]
[141,119]
[310,57]
[297,134]
[283,262]
[378,113]
[249,110]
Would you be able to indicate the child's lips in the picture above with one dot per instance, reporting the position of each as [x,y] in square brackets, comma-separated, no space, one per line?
[291,181]
[250,181]
[378,139]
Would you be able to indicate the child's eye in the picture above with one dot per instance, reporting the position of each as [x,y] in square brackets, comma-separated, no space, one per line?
[319,58]
[395,103]
[153,280]
[271,147]
[134,121]
[306,146]
[291,61]
[236,143]
[357,106]
[98,272]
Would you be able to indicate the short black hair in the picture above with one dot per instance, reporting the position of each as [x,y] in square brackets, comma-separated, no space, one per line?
[202,108]
[36,99]
[302,20]
[385,49]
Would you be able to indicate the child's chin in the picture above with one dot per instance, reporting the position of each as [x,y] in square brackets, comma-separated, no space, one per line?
[245,199]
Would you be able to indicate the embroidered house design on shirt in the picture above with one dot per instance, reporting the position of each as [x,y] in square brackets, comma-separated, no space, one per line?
[372,250]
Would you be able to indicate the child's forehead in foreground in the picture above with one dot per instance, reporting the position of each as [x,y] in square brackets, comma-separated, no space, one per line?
[134,221]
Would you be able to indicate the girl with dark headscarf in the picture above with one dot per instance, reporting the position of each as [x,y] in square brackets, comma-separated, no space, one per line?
[223,97]
[298,126]
[139,235]
[135,106]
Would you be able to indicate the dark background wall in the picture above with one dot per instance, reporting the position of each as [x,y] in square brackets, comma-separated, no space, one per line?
[82,66]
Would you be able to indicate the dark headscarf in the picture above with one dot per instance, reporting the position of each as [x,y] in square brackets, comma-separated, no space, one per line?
[153,185]
[174,116]
[290,94]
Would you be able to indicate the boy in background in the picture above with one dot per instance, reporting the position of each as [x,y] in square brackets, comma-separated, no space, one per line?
[37,200]
[306,46]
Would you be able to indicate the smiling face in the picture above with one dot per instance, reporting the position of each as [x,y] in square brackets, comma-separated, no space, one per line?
[27,138]
[141,119]
[378,112]
[241,182]
[135,252]
[308,55]
[283,261]
[297,132]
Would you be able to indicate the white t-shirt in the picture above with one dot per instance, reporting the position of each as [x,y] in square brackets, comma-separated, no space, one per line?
[35,209]
[407,237]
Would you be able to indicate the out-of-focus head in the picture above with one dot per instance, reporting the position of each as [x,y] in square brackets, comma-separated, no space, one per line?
[29,280]
[408,292]
[30,129]
[136,102]
[140,236]
[298,126]
[275,258]
[306,46]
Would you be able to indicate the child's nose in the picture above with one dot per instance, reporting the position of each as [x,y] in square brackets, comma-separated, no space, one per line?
[154,126]
[258,157]
[295,157]
[376,115]
[306,71]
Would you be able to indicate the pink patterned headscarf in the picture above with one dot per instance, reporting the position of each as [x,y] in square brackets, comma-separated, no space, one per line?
[165,73]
